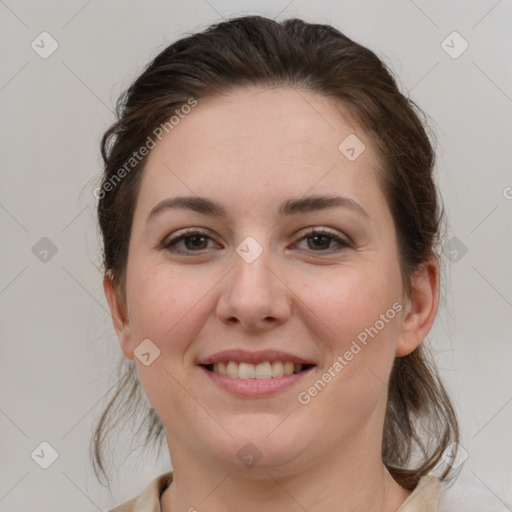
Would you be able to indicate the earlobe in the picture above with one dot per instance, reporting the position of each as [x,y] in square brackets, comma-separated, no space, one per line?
[422,308]
[117,311]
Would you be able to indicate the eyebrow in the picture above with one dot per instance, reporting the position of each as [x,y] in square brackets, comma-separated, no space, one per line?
[288,207]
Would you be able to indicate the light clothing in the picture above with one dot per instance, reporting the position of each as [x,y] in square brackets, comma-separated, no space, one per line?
[424,498]
[149,499]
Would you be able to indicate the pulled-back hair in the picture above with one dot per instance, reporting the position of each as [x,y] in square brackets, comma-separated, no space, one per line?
[253,50]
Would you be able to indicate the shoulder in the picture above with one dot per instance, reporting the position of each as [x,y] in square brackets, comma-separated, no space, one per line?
[127,506]
[425,496]
[461,495]
[149,499]
[468,496]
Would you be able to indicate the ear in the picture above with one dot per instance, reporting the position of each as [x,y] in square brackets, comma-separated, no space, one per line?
[421,308]
[121,323]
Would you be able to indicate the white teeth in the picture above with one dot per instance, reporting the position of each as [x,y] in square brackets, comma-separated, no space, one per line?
[288,368]
[277,369]
[222,368]
[264,370]
[232,369]
[245,371]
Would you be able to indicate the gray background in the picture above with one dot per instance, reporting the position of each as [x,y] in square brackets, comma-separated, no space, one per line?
[58,347]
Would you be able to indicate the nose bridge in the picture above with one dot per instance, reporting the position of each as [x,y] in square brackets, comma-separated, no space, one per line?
[252,266]
[253,294]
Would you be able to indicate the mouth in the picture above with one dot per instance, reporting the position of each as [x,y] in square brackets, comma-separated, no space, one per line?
[255,374]
[261,371]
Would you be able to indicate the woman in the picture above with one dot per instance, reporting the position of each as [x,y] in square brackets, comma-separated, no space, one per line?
[270,226]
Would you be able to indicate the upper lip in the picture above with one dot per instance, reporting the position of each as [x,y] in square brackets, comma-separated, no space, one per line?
[245,356]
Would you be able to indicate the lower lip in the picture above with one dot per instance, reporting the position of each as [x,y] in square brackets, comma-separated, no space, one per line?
[255,387]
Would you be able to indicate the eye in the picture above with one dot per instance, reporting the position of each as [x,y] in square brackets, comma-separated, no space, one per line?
[321,240]
[194,240]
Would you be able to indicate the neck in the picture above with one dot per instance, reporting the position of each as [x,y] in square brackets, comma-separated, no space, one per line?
[355,484]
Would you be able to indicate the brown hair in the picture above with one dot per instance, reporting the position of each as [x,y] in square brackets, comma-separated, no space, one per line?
[254,50]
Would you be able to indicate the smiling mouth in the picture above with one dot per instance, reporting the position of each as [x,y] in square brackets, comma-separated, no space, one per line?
[261,371]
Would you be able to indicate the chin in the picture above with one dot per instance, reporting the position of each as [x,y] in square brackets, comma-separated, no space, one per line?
[266,442]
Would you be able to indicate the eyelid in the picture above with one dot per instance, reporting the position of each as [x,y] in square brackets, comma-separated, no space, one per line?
[343,241]
[324,230]
[176,237]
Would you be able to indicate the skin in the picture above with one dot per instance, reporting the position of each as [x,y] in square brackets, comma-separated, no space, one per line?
[250,150]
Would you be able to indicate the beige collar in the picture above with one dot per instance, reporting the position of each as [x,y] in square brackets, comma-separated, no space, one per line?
[424,498]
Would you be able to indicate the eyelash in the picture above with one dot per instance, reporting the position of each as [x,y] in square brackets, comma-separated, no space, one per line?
[191,232]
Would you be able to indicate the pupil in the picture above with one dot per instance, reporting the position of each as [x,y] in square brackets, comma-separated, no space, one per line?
[325,238]
[196,240]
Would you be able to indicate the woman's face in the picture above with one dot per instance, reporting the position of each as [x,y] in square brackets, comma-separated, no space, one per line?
[254,281]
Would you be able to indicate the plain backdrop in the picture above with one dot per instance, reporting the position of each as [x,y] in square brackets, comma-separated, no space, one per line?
[58,347]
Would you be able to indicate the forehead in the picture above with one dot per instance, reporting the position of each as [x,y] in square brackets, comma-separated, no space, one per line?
[248,119]
[259,140]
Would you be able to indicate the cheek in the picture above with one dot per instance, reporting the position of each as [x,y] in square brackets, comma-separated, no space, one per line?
[167,306]
[363,316]
[164,304]
[351,301]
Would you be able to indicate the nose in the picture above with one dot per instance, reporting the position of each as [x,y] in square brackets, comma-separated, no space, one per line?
[254,295]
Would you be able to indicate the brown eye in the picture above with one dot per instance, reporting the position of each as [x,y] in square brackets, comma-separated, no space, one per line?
[189,241]
[320,240]
[196,242]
